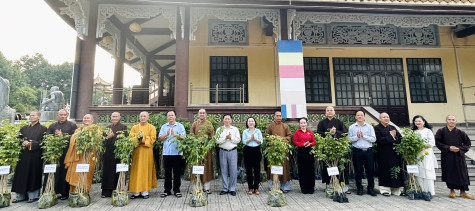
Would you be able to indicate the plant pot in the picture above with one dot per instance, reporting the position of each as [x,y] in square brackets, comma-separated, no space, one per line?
[417,195]
[426,196]
[5,199]
[47,200]
[79,199]
[329,190]
[198,199]
[276,199]
[410,195]
[119,199]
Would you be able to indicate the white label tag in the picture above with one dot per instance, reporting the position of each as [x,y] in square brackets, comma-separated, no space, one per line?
[82,168]
[412,169]
[50,168]
[333,171]
[279,170]
[198,170]
[4,170]
[122,167]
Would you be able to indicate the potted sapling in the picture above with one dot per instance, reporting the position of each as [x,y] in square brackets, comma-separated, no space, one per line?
[10,150]
[89,142]
[334,153]
[276,149]
[124,146]
[409,149]
[194,149]
[52,146]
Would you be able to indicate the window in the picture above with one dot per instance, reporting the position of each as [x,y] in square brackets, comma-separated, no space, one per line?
[426,80]
[230,74]
[317,80]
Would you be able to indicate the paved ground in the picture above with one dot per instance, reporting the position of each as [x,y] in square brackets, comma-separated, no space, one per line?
[295,199]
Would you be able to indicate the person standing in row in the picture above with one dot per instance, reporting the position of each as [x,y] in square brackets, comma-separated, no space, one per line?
[142,171]
[203,124]
[280,129]
[453,144]
[426,176]
[172,158]
[386,138]
[73,158]
[109,175]
[62,126]
[27,179]
[304,140]
[228,139]
[362,137]
[336,128]
[252,138]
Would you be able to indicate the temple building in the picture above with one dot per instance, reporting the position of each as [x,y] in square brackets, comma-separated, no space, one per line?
[404,57]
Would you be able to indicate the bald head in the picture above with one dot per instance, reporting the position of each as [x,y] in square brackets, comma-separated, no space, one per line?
[330,112]
[384,118]
[87,119]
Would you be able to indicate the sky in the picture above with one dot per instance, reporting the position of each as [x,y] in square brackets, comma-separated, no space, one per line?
[31,26]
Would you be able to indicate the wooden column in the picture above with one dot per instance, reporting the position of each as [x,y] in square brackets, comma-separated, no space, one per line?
[181,67]
[119,72]
[146,82]
[86,66]
[284,28]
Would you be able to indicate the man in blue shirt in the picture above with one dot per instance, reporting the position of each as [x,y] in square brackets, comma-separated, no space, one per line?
[172,157]
[362,137]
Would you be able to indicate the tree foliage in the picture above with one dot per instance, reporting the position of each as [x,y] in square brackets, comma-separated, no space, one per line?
[53,146]
[10,150]
[124,146]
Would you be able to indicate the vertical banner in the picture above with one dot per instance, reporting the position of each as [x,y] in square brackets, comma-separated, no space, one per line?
[292,79]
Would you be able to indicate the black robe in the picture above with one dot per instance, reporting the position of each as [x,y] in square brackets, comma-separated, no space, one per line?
[324,126]
[454,167]
[386,156]
[109,175]
[29,169]
[60,184]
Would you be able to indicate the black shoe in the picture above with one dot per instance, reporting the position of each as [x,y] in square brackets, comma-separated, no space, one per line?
[223,192]
[371,192]
[360,192]
[233,193]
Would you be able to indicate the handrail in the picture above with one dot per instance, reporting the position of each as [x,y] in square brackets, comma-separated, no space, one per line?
[216,91]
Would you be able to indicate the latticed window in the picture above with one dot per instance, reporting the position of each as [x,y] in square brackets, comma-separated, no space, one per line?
[317,80]
[426,80]
[230,74]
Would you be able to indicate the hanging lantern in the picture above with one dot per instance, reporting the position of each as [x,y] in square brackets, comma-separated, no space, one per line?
[108,40]
[135,27]
[129,55]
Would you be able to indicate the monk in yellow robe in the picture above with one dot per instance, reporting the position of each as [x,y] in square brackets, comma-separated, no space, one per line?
[73,158]
[142,170]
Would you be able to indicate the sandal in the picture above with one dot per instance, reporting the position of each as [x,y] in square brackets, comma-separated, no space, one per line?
[249,192]
[386,194]
[145,197]
[16,201]
[285,191]
[208,192]
[163,195]
[134,196]
[348,192]
[178,195]
[257,192]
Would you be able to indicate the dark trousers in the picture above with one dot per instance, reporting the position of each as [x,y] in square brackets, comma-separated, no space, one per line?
[172,163]
[252,162]
[306,168]
[363,158]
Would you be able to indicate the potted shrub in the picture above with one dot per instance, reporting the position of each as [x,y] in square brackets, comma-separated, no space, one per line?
[10,150]
[276,149]
[409,148]
[89,141]
[53,146]
[194,149]
[123,151]
[334,152]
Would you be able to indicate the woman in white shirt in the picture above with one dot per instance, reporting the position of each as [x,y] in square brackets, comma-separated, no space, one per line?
[426,176]
[252,139]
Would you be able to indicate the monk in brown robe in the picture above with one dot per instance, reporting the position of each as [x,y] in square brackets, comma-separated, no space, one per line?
[453,144]
[73,158]
[209,171]
[281,129]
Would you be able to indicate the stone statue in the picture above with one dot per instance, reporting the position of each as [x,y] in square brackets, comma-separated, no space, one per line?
[5,110]
[55,103]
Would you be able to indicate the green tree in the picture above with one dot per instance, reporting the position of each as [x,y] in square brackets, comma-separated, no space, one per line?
[25,99]
[12,73]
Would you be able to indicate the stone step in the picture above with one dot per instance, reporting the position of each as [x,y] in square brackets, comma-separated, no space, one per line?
[471,176]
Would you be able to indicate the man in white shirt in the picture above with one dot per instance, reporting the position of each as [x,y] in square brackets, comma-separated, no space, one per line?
[362,137]
[228,139]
